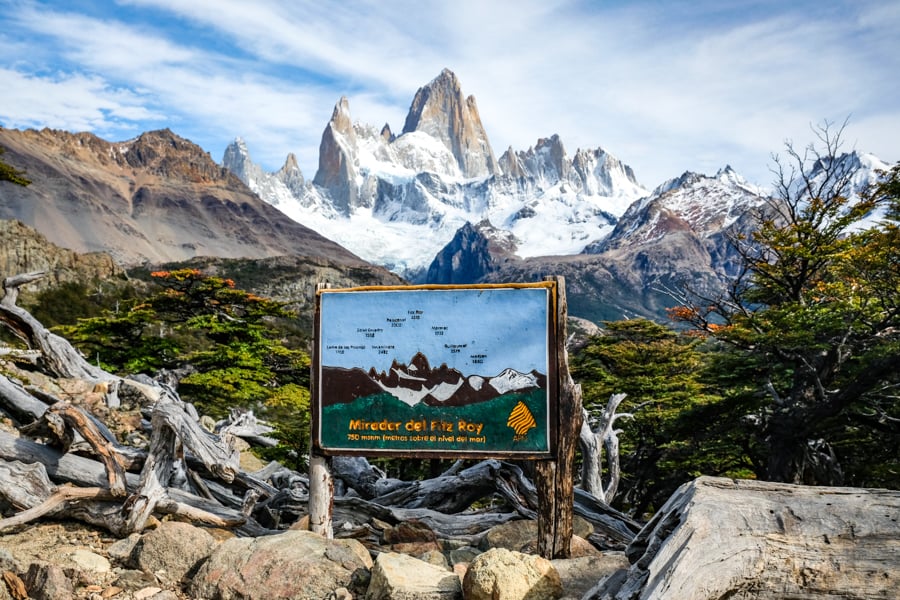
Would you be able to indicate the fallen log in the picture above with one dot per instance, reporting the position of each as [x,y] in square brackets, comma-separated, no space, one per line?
[63,420]
[58,357]
[456,491]
[18,403]
[86,473]
[173,430]
[722,538]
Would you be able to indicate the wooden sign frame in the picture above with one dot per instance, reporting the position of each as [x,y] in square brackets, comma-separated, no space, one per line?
[436,371]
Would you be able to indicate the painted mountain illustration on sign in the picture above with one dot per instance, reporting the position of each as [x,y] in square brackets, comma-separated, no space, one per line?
[418,383]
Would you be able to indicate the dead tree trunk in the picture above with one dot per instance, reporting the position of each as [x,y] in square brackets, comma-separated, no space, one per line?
[58,357]
[18,403]
[173,431]
[593,441]
[63,420]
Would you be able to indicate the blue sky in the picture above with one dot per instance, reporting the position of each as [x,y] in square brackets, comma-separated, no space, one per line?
[498,328]
[664,86]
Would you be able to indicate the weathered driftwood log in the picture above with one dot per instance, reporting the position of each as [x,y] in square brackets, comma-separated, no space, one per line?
[18,403]
[58,357]
[456,490]
[63,420]
[27,488]
[447,494]
[91,475]
[721,538]
[245,425]
[173,431]
[366,479]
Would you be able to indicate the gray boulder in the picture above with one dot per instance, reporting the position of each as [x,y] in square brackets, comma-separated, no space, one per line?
[521,535]
[295,564]
[401,577]
[172,551]
[578,575]
[501,574]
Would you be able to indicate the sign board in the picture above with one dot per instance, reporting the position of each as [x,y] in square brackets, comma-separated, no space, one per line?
[436,371]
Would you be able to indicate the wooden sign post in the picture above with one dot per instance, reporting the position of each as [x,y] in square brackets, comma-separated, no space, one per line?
[446,372]
[555,479]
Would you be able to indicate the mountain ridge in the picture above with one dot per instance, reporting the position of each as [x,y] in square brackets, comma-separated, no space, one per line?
[154,198]
[396,200]
[407,203]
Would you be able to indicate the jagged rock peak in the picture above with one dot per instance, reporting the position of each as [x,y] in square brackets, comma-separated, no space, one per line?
[683,180]
[290,173]
[547,159]
[474,251]
[340,117]
[237,157]
[337,157]
[290,163]
[440,110]
[511,164]
[725,175]
[169,155]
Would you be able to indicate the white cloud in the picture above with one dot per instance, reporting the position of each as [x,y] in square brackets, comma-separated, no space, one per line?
[69,101]
[665,87]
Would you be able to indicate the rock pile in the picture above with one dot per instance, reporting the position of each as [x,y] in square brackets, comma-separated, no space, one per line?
[176,560]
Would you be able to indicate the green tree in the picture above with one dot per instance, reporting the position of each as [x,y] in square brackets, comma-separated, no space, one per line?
[10,173]
[229,340]
[70,301]
[661,372]
[814,314]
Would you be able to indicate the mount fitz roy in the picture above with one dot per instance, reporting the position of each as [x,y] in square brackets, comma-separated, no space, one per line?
[397,200]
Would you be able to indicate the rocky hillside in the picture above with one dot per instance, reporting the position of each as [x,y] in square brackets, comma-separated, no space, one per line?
[23,250]
[155,198]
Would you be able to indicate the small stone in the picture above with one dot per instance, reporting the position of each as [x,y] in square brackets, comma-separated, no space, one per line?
[48,582]
[89,561]
[147,592]
[465,554]
[436,558]
[121,550]
[341,594]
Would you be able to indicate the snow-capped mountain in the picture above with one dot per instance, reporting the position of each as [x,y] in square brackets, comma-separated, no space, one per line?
[280,189]
[396,200]
[699,203]
[851,173]
[434,205]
